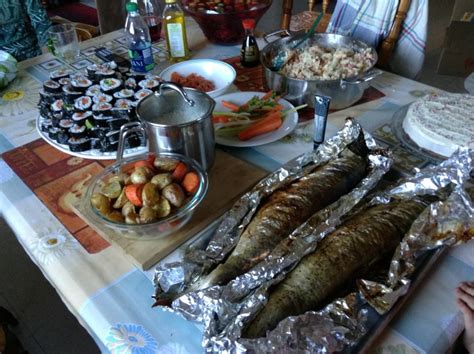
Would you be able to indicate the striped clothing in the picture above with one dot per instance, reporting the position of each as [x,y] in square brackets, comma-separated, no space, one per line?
[23,28]
[371,21]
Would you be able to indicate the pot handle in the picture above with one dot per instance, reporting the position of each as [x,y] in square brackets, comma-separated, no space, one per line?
[369,75]
[266,36]
[125,130]
[176,88]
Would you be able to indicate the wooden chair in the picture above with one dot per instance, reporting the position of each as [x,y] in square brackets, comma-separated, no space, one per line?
[305,19]
[83,30]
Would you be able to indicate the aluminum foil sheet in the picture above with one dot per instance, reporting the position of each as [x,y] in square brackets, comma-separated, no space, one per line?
[172,279]
[340,325]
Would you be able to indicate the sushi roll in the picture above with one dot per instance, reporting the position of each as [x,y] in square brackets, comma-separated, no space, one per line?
[121,113]
[98,132]
[141,94]
[70,94]
[46,98]
[110,86]
[78,131]
[116,123]
[101,98]
[53,133]
[81,83]
[93,90]
[96,144]
[123,104]
[68,110]
[79,144]
[56,118]
[64,81]
[100,120]
[131,83]
[150,84]
[45,124]
[80,118]
[91,69]
[57,106]
[102,108]
[56,75]
[52,86]
[62,136]
[105,73]
[124,93]
[66,123]
[83,103]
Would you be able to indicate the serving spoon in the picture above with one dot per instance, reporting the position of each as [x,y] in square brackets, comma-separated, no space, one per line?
[280,59]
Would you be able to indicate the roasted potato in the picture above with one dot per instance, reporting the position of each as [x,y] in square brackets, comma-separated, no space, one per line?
[141,175]
[121,200]
[175,194]
[115,216]
[162,208]
[150,194]
[132,219]
[101,203]
[147,214]
[165,163]
[162,180]
[112,189]
[128,209]
[123,178]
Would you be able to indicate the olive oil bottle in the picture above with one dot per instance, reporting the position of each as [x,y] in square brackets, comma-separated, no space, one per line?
[175,31]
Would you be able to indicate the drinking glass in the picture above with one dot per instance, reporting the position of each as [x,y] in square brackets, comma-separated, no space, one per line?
[65,42]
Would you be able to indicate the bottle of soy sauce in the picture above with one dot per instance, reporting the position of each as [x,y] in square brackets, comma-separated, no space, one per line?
[249,54]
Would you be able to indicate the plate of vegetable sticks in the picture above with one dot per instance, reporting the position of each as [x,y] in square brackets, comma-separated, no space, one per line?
[245,119]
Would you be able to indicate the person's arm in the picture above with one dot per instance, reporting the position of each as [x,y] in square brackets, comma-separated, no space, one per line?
[39,20]
[465,302]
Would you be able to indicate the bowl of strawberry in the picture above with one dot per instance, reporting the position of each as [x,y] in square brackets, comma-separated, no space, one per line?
[221,20]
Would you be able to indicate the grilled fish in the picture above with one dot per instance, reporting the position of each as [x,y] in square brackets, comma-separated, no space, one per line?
[363,239]
[288,208]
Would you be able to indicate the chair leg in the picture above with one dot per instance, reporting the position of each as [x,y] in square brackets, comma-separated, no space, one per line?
[286,16]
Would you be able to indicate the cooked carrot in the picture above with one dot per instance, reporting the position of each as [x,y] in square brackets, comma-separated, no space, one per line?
[271,122]
[267,95]
[232,106]
[220,119]
[133,192]
[179,171]
[144,163]
[191,182]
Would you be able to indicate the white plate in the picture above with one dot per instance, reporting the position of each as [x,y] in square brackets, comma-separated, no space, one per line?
[89,154]
[239,98]
[220,73]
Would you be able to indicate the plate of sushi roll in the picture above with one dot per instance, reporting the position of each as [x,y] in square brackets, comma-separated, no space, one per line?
[81,112]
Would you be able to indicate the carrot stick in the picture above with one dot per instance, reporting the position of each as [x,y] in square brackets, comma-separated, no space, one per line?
[133,192]
[191,182]
[270,123]
[232,106]
[220,119]
[179,171]
[267,95]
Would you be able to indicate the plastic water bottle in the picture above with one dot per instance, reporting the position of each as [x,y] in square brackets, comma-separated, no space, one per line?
[139,42]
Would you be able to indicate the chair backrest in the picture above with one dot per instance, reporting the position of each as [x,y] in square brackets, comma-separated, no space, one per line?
[385,48]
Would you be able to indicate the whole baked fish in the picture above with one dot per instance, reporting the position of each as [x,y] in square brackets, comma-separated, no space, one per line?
[288,208]
[365,238]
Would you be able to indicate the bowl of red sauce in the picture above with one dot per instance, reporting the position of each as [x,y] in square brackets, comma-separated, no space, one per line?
[221,20]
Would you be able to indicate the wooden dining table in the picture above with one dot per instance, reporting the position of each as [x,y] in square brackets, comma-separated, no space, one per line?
[112,297]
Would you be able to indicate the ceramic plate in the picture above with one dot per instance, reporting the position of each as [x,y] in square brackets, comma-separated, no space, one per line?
[239,98]
[89,154]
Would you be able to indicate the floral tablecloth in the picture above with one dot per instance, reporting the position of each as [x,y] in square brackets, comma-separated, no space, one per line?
[112,299]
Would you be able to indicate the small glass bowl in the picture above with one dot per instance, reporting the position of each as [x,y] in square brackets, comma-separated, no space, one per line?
[157,229]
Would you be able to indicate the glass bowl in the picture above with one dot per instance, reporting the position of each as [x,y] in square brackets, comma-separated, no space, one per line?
[153,230]
[221,21]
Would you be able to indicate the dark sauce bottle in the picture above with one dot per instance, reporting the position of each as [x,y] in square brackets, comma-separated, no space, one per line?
[249,54]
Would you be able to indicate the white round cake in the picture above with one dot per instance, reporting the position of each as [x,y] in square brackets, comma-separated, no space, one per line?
[441,123]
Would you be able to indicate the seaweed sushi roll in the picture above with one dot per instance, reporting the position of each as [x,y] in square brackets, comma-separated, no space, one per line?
[83,103]
[105,73]
[62,136]
[141,94]
[53,133]
[124,93]
[78,131]
[66,123]
[56,75]
[109,86]
[91,69]
[100,120]
[64,81]
[80,118]
[45,124]
[101,98]
[68,110]
[79,144]
[121,113]
[102,108]
[70,95]
[52,86]
[81,83]
[96,144]
[116,123]
[150,84]
[123,104]
[93,90]
[57,106]
[131,83]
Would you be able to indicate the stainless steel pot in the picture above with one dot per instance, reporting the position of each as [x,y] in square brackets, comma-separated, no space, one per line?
[177,120]
[343,92]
